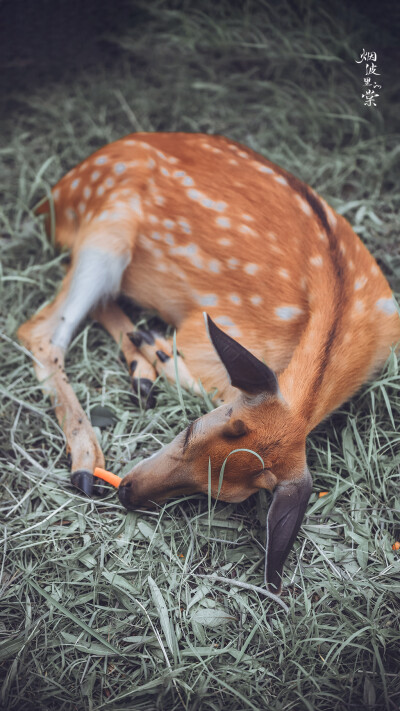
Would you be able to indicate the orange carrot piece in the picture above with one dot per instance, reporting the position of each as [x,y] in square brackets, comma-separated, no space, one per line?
[323,493]
[107,476]
[396,546]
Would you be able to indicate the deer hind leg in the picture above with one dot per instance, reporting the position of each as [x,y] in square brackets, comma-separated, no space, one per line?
[95,274]
[121,328]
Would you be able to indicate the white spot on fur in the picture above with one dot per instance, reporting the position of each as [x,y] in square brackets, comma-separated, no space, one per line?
[169,224]
[185,226]
[81,208]
[387,306]
[331,216]
[214,266]
[256,300]
[153,219]
[110,182]
[284,273]
[103,216]
[151,163]
[263,168]
[208,300]
[161,155]
[219,206]
[70,213]
[317,261]
[100,190]
[233,161]
[303,205]
[359,283]
[224,241]
[206,202]
[164,170]
[56,194]
[230,327]
[272,236]
[159,200]
[322,236]
[169,239]
[359,306]
[75,183]
[101,160]
[232,263]
[234,331]
[223,221]
[280,179]
[187,250]
[87,192]
[235,298]
[374,269]
[187,181]
[251,268]
[342,248]
[286,313]
[246,230]
[135,205]
[145,242]
[194,194]
[179,173]
[156,235]
[248,218]
[119,168]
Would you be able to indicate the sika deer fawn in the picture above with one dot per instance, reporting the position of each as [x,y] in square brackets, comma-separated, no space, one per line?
[184,223]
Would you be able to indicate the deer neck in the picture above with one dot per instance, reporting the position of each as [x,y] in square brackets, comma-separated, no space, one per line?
[335,352]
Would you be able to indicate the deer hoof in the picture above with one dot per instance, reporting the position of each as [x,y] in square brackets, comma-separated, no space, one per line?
[83,480]
[144,392]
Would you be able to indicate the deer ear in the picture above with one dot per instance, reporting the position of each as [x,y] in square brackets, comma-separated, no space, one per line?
[245,371]
[284,519]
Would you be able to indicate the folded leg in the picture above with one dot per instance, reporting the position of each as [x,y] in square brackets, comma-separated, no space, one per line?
[120,327]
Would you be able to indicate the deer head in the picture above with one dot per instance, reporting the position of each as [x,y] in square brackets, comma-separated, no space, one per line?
[252,443]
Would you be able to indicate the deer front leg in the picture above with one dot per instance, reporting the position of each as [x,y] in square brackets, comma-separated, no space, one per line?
[81,442]
[48,334]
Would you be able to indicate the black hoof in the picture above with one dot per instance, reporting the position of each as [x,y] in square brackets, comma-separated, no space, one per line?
[144,392]
[83,480]
[140,336]
[163,357]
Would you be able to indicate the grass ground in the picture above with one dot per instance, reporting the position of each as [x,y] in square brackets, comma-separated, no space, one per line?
[103,610]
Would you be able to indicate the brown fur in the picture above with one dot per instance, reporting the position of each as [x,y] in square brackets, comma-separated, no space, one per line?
[261,241]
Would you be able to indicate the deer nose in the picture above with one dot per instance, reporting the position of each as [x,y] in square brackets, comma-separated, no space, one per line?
[123,494]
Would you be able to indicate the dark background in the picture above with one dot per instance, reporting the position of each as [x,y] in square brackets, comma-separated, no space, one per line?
[42,40]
